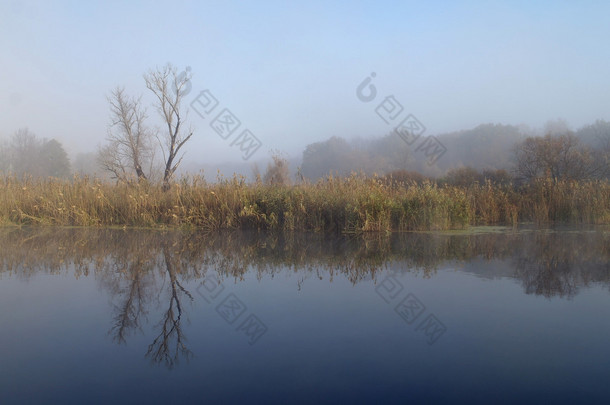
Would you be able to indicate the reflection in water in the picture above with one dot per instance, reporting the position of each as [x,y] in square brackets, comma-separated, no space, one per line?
[557,264]
[129,261]
[145,268]
[170,343]
[133,281]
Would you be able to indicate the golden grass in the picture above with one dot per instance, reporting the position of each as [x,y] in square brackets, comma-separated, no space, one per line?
[349,205]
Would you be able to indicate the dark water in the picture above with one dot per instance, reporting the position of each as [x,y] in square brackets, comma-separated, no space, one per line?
[113,316]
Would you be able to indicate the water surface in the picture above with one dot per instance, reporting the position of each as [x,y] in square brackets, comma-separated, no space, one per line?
[141,316]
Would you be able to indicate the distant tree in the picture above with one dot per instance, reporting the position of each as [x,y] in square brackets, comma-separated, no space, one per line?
[340,157]
[277,172]
[170,88]
[320,158]
[388,153]
[556,127]
[26,155]
[401,178]
[597,136]
[53,160]
[24,148]
[498,176]
[5,159]
[487,146]
[463,176]
[557,157]
[129,150]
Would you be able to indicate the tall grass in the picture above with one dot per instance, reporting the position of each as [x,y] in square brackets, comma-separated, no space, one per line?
[349,205]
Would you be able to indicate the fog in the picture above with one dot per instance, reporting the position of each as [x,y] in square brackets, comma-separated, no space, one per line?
[290,72]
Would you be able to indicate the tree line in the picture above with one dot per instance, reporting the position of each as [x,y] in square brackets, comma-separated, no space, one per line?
[24,154]
[500,153]
[136,151]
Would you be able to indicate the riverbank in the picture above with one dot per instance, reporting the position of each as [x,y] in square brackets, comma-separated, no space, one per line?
[347,205]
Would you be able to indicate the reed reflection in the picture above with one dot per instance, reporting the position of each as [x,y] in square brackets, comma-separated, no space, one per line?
[146,270]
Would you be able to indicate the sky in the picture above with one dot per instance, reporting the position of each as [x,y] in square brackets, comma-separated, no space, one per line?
[289,70]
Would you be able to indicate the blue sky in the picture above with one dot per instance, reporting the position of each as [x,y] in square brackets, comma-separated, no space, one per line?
[289,70]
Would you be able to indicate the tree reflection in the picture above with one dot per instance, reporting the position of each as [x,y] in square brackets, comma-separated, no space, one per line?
[132,308]
[132,281]
[169,344]
[148,271]
[557,264]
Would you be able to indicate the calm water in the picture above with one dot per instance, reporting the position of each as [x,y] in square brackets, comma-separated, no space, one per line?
[113,316]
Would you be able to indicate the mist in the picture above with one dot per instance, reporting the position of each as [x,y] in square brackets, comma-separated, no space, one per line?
[477,77]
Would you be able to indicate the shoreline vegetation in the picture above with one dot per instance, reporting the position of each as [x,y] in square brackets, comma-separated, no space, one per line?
[354,204]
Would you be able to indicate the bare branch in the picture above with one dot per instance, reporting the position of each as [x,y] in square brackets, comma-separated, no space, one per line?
[129,140]
[168,105]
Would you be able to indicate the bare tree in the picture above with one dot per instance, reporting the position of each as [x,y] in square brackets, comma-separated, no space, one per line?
[277,173]
[129,146]
[170,88]
[24,149]
[597,135]
[557,157]
[109,160]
